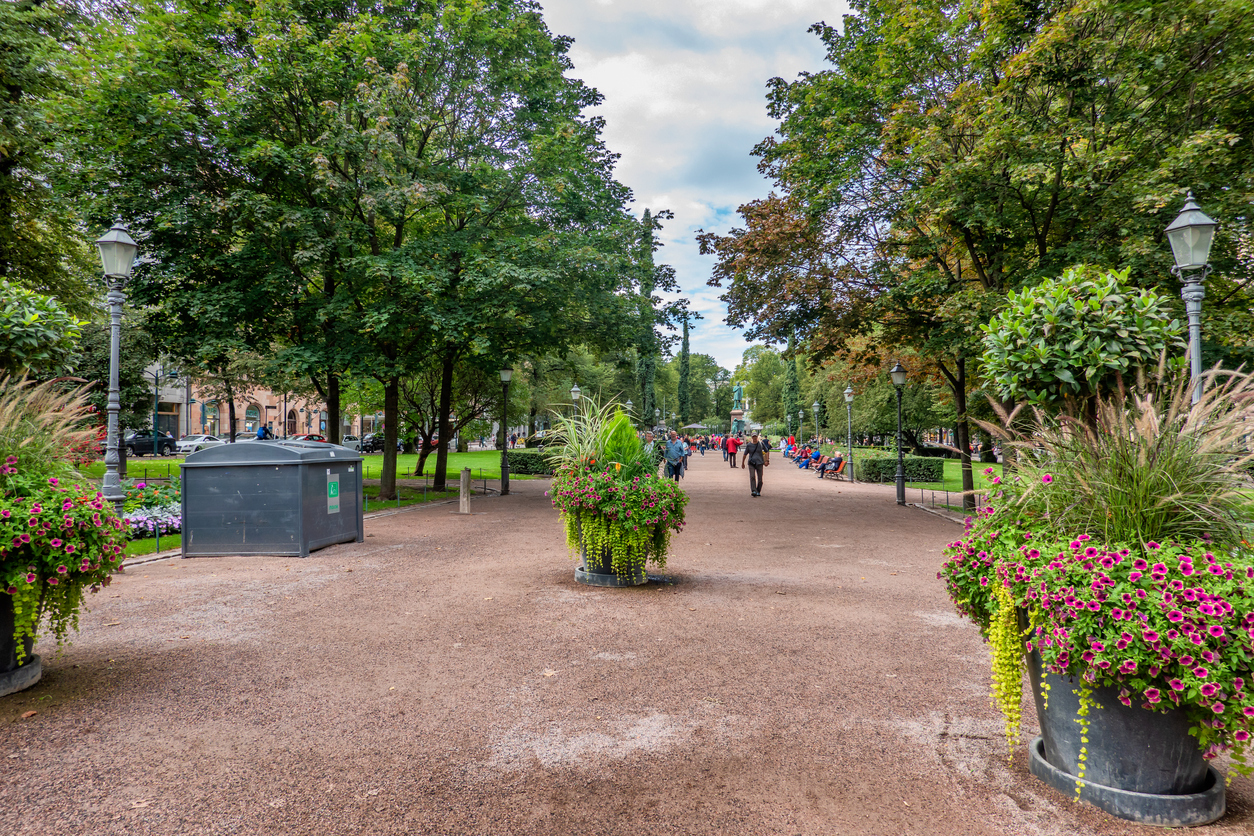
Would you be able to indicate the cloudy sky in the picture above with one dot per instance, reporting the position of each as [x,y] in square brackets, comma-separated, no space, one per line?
[685,84]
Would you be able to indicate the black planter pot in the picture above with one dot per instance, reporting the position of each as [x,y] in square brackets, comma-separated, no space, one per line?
[14,678]
[1140,765]
[597,571]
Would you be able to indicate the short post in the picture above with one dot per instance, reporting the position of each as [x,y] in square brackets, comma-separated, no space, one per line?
[464,506]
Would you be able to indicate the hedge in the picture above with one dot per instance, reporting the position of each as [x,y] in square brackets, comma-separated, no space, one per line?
[528,463]
[884,469]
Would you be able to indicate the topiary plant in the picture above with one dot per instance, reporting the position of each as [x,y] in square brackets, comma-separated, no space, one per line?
[1070,339]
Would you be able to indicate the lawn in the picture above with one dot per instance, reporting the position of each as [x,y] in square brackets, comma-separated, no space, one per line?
[149,544]
[483,464]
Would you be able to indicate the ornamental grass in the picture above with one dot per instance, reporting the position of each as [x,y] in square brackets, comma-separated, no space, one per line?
[1121,542]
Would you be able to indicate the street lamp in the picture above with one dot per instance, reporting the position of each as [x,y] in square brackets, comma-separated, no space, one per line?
[849,431]
[574,395]
[898,374]
[816,417]
[801,423]
[657,416]
[1191,235]
[506,374]
[117,257]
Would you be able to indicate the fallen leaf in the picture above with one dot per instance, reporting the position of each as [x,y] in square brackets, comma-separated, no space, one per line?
[487,599]
[777,592]
[113,624]
[547,672]
[29,714]
[135,805]
[348,570]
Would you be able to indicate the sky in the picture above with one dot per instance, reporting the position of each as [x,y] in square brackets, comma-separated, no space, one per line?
[684,83]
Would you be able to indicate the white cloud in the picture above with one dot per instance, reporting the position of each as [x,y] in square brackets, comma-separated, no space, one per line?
[684,86]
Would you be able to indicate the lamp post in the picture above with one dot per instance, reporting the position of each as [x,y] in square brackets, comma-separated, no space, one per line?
[801,423]
[574,397]
[657,416]
[629,405]
[506,374]
[898,374]
[849,431]
[1191,235]
[117,257]
[156,398]
[816,417]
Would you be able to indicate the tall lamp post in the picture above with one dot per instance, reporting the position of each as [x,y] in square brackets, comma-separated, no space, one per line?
[629,405]
[574,398]
[898,374]
[117,257]
[849,431]
[816,418]
[1191,235]
[657,416]
[506,374]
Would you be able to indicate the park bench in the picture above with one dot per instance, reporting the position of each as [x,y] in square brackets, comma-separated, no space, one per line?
[838,473]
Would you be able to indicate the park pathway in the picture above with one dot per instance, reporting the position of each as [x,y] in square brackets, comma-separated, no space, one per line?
[798,671]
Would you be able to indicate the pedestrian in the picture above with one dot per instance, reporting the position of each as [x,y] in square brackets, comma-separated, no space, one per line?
[722,445]
[756,455]
[733,444]
[674,455]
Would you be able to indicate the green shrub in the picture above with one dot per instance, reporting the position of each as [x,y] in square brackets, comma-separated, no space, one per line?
[884,469]
[528,463]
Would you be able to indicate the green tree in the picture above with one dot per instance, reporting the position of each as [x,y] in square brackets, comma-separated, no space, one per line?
[954,153]
[41,244]
[684,394]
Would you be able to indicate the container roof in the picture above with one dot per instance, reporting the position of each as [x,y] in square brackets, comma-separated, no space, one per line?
[270,453]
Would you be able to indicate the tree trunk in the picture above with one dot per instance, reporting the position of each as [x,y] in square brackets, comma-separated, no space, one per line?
[333,407]
[962,431]
[391,420]
[531,423]
[230,411]
[446,404]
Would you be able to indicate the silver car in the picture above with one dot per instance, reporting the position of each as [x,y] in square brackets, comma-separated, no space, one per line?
[352,442]
[192,443]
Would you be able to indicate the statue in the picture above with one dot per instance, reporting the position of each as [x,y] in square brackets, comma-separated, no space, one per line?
[738,396]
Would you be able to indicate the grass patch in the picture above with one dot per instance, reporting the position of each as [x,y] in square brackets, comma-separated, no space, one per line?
[148,545]
[408,496]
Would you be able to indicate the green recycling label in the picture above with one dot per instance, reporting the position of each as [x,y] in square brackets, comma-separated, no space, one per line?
[333,494]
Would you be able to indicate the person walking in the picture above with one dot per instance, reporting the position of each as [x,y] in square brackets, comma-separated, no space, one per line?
[733,444]
[756,455]
[674,456]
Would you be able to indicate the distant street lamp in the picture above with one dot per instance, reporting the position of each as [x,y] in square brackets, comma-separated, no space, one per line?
[816,418]
[801,422]
[1191,234]
[117,257]
[657,416]
[898,374]
[506,374]
[161,372]
[849,432]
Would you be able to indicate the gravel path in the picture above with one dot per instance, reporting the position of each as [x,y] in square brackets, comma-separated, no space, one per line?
[802,673]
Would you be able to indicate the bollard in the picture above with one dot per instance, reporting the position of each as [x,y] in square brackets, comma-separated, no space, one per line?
[464,507]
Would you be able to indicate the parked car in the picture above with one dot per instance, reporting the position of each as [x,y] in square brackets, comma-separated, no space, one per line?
[352,442]
[192,443]
[309,437]
[139,443]
[372,443]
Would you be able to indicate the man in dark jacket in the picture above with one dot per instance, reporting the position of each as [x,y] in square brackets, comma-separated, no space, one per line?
[756,455]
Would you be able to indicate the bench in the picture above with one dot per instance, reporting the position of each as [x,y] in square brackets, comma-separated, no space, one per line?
[839,472]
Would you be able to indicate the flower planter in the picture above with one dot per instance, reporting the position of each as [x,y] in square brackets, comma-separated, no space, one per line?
[1140,765]
[14,677]
[597,571]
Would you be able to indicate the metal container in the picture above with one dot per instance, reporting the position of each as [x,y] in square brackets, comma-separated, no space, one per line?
[271,497]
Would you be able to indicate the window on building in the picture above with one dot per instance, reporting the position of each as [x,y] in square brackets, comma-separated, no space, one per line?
[252,418]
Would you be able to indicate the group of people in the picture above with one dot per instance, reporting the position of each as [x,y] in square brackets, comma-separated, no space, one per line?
[675,451]
[810,457]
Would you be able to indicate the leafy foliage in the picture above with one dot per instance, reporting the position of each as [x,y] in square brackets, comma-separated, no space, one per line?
[1077,336]
[36,332]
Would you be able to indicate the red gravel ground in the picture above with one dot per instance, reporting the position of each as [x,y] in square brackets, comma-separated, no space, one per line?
[803,674]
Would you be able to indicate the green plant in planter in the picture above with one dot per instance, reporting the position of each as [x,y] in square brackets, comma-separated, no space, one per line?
[1123,547]
[59,539]
[606,487]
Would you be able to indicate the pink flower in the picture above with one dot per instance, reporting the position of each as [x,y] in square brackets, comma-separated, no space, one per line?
[1175,616]
[1218,708]
[1046,479]
[1153,695]
[61,570]
[1176,685]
